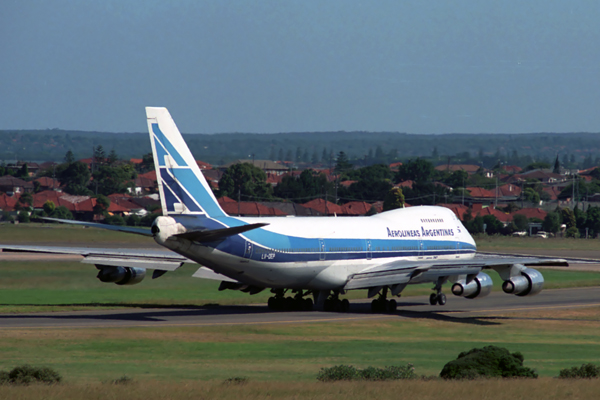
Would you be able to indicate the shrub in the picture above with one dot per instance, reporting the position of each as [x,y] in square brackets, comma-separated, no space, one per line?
[124,380]
[348,373]
[585,371]
[490,361]
[387,373]
[26,374]
[236,380]
[337,373]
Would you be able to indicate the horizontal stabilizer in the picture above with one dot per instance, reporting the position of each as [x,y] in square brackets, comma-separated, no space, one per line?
[128,229]
[217,234]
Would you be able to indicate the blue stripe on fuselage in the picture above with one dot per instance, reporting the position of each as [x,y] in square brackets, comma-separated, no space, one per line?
[293,248]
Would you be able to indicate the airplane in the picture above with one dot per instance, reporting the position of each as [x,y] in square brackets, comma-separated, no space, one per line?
[311,260]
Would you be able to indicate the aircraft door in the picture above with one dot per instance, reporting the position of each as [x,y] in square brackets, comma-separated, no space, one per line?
[369,251]
[321,249]
[248,249]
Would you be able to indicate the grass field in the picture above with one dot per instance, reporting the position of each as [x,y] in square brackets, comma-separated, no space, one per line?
[546,388]
[280,361]
[34,286]
[549,341]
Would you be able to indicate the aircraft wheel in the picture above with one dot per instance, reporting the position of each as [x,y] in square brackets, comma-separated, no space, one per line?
[307,304]
[375,306]
[391,306]
[433,299]
[271,303]
[289,304]
[328,305]
[441,299]
[345,305]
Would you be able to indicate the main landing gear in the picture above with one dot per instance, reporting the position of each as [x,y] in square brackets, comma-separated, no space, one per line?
[438,297]
[333,303]
[382,304]
[297,303]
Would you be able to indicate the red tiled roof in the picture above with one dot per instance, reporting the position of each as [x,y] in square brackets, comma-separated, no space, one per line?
[458,167]
[148,175]
[319,205]
[250,208]
[7,203]
[512,169]
[553,191]
[408,184]
[203,165]
[509,190]
[503,217]
[347,183]
[531,213]
[458,209]
[356,208]
[48,182]
[136,160]
[481,193]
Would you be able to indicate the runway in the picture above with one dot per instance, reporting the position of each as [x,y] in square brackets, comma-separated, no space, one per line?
[458,309]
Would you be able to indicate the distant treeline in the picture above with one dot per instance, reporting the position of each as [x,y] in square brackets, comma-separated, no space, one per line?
[362,148]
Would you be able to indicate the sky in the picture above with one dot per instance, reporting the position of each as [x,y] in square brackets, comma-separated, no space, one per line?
[436,66]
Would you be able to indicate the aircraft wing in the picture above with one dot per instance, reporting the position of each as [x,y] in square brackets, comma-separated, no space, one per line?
[160,261]
[403,271]
[140,258]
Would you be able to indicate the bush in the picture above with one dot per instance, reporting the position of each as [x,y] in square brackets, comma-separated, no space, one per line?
[114,220]
[124,380]
[26,374]
[488,362]
[236,380]
[585,371]
[349,373]
[337,373]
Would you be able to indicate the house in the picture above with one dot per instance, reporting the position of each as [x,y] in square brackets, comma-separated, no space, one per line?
[324,207]
[468,168]
[10,184]
[270,167]
[531,213]
[47,183]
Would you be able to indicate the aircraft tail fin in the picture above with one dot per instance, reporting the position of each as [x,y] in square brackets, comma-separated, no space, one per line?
[182,186]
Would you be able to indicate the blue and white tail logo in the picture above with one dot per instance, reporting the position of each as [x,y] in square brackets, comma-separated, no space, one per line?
[183,189]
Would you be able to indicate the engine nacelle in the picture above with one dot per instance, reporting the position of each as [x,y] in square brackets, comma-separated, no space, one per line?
[480,286]
[120,275]
[529,283]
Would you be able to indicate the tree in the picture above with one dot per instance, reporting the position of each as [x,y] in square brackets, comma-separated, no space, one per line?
[75,176]
[568,218]
[49,207]
[393,199]
[247,180]
[556,168]
[418,170]
[26,199]
[369,190]
[62,212]
[531,195]
[69,157]
[102,204]
[113,179]
[112,157]
[551,222]
[521,222]
[493,225]
[342,164]
[309,184]
[99,155]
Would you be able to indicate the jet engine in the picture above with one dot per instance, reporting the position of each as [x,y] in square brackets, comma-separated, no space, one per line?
[529,283]
[120,275]
[479,286]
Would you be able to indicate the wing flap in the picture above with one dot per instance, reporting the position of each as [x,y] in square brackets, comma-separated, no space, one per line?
[147,263]
[205,273]
[401,272]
